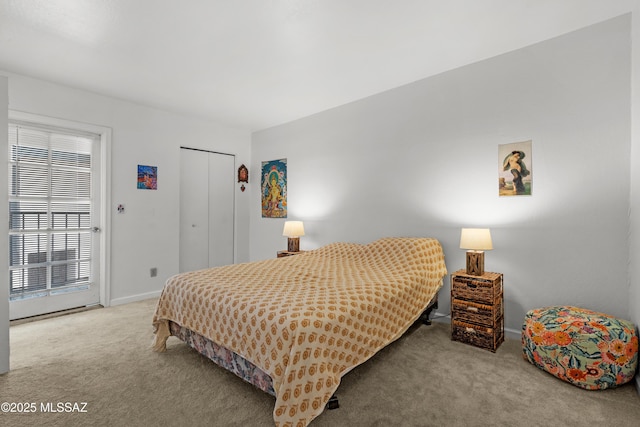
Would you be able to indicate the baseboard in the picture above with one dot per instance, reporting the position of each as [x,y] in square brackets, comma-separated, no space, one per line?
[134,298]
[30,319]
[513,334]
[441,317]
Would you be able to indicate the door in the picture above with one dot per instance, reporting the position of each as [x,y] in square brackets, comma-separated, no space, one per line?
[194,210]
[54,210]
[206,209]
[221,209]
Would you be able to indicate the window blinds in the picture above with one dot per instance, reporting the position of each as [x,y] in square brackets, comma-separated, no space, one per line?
[49,209]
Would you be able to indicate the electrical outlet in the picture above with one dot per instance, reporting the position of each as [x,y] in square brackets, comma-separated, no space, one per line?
[153,271]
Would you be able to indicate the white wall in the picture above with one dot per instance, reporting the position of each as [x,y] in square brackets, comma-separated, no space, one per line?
[634,247]
[4,228]
[146,235]
[422,160]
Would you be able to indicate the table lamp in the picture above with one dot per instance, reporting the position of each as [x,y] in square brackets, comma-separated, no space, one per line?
[477,240]
[293,230]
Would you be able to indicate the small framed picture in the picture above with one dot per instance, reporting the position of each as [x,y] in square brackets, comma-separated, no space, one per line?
[243,174]
[515,176]
[147,177]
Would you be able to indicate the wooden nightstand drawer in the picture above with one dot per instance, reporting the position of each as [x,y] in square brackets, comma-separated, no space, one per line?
[480,336]
[480,314]
[485,289]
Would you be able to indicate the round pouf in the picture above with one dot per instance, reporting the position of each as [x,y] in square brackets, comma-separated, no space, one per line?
[588,349]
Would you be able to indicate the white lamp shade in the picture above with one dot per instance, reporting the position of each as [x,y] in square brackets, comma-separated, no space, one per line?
[478,239]
[293,229]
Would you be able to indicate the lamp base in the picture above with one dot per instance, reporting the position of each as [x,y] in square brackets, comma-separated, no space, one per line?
[293,244]
[475,263]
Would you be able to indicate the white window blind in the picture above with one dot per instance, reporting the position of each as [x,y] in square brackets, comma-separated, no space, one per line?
[49,210]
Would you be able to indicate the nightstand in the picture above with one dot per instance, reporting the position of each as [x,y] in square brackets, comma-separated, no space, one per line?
[287,253]
[477,311]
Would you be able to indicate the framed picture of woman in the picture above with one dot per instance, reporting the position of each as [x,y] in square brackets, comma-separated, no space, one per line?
[515,176]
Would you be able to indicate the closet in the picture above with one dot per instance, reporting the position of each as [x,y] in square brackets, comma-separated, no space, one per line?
[206,209]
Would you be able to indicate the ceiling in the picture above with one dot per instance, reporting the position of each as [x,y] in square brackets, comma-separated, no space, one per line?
[254,64]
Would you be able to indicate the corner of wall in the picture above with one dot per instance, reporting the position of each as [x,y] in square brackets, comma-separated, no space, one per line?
[634,205]
[634,196]
[4,228]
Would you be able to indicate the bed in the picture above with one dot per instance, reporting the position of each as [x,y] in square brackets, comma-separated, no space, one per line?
[294,326]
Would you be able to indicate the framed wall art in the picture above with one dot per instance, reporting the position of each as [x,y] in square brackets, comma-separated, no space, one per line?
[147,177]
[274,189]
[515,176]
[243,174]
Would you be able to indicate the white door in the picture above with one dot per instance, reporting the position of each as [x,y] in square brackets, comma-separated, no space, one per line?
[54,210]
[206,209]
[194,210]
[221,209]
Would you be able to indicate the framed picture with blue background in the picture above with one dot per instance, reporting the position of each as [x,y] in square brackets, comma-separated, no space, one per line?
[274,189]
[147,177]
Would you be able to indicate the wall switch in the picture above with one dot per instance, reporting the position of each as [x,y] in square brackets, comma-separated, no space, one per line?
[154,272]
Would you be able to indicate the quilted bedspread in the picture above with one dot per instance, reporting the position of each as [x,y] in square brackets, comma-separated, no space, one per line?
[307,319]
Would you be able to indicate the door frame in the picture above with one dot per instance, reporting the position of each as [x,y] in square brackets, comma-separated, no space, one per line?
[105,185]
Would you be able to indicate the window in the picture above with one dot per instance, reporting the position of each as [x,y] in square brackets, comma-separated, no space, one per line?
[49,210]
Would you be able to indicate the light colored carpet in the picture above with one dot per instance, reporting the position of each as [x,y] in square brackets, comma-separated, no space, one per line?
[103,357]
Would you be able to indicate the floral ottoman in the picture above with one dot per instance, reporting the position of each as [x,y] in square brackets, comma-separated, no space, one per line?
[587,349]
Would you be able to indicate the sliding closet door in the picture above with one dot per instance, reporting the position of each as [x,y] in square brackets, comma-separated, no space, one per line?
[221,191]
[206,209]
[194,210]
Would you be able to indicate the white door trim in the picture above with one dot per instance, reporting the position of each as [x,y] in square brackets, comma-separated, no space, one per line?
[105,184]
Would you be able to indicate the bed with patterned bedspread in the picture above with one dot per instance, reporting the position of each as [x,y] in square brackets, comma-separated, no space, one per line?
[308,319]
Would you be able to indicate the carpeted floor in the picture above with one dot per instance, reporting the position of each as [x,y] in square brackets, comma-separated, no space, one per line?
[103,358]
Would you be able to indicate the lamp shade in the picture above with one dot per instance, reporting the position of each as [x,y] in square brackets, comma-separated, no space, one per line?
[478,239]
[293,229]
